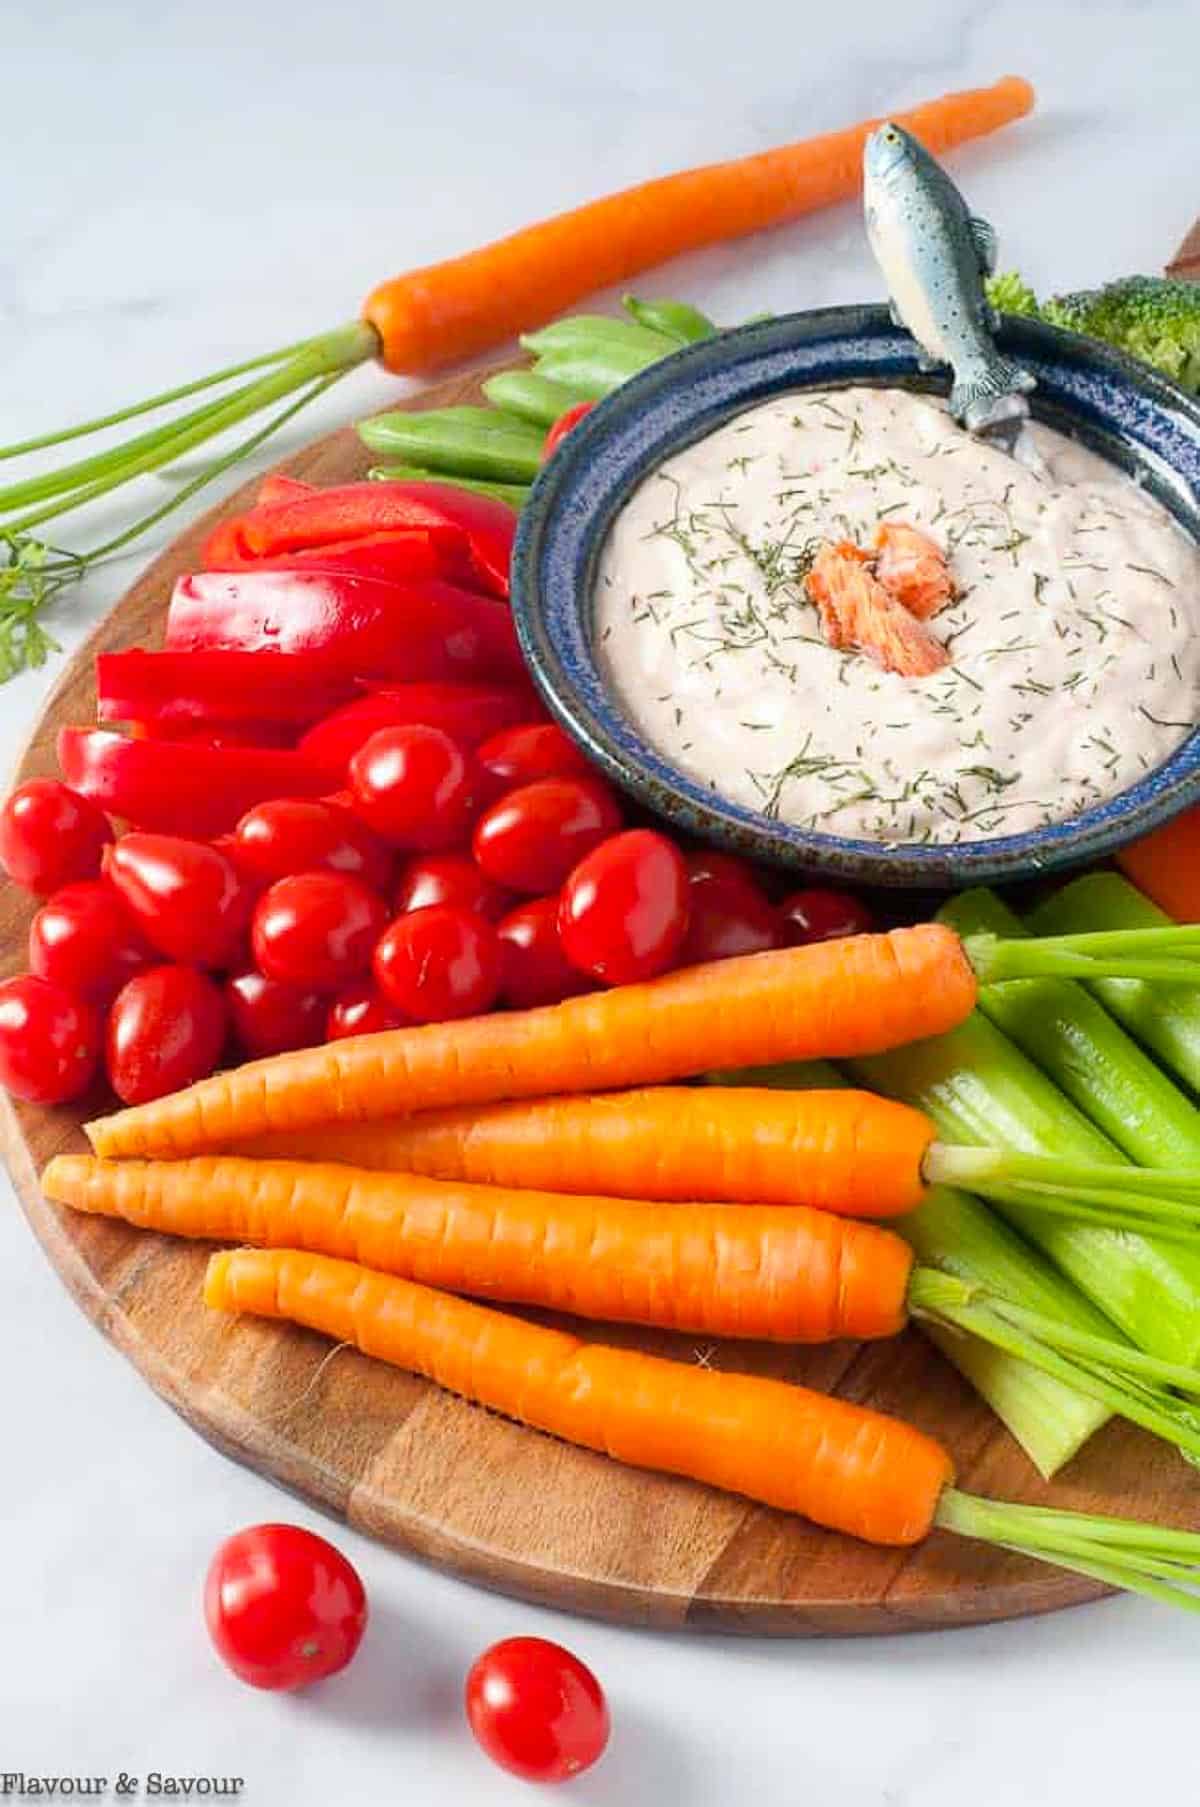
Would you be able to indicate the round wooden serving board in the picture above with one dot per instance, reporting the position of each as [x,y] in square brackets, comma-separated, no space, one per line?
[484,1498]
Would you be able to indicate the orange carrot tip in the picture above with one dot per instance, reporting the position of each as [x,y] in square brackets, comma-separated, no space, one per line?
[841,1465]
[861,995]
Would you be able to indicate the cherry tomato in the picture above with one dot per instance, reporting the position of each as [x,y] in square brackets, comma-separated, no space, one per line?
[50,836]
[531,839]
[414,786]
[269,1017]
[317,929]
[187,898]
[624,910]
[562,427]
[449,878]
[300,834]
[49,1041]
[83,939]
[537,1710]
[727,912]
[283,1607]
[535,970]
[166,1029]
[820,915]
[360,1010]
[518,756]
[439,963]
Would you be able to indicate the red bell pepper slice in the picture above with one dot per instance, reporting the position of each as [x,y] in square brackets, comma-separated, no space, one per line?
[356,511]
[217,687]
[181,787]
[363,628]
[469,713]
[277,486]
[401,557]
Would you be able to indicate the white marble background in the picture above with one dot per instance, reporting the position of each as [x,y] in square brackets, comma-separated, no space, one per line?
[183,185]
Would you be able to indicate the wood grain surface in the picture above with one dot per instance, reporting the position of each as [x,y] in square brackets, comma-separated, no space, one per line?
[500,1505]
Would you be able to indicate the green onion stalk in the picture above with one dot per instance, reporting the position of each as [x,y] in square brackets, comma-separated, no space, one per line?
[495,450]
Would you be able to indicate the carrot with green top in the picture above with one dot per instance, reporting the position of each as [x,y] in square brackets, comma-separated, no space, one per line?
[843,998]
[839,1464]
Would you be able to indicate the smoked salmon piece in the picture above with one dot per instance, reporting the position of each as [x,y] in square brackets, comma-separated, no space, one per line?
[913,569]
[858,614]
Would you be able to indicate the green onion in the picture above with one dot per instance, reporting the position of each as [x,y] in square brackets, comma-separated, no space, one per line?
[470,442]
[515,494]
[532,397]
[1166,1019]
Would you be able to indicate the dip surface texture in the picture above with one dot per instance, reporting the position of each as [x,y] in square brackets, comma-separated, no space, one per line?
[1074,642]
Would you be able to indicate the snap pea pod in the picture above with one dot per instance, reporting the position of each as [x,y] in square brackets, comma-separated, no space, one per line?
[468,442]
[531,397]
[515,494]
[587,332]
[597,369]
[1071,1036]
[959,1235]
[676,320]
[1164,1018]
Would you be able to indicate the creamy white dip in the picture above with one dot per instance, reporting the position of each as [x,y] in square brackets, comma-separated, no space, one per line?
[1074,645]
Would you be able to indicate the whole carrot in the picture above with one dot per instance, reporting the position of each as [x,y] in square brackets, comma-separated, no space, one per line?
[841,1465]
[783,1275]
[861,995]
[838,1464]
[453,310]
[849,1152]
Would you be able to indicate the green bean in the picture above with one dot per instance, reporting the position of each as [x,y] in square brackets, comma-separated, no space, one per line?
[592,332]
[468,442]
[677,320]
[515,494]
[531,397]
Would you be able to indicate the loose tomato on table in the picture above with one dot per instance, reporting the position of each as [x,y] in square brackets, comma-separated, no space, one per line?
[269,1017]
[415,787]
[822,915]
[530,840]
[623,913]
[317,930]
[187,899]
[84,940]
[49,1041]
[166,1029]
[524,754]
[439,963]
[283,1607]
[537,1710]
[303,834]
[51,835]
[361,1009]
[449,878]
[534,968]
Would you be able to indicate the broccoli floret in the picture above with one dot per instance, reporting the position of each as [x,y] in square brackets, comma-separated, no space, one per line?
[1153,318]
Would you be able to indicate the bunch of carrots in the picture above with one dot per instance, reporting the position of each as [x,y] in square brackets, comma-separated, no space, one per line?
[476,1158]
[432,317]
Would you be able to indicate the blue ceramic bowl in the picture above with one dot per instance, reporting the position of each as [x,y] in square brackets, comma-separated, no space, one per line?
[1136,419]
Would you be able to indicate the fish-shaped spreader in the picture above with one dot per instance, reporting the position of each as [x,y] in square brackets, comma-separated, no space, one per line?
[935,254]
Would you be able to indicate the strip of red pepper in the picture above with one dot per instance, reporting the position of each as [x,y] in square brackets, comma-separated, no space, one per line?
[218,686]
[362,627]
[181,787]
[469,713]
[356,511]
[410,556]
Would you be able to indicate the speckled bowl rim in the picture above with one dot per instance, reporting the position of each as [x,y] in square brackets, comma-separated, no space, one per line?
[1138,420]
